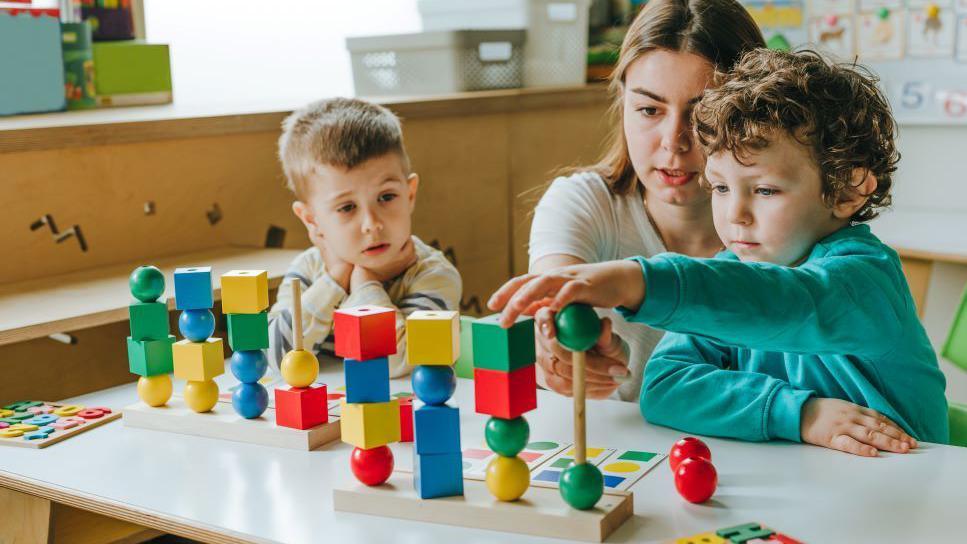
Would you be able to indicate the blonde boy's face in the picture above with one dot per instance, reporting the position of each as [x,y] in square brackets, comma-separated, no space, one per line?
[772,209]
[362,214]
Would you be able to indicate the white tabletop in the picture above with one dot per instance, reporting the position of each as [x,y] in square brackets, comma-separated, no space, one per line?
[268,494]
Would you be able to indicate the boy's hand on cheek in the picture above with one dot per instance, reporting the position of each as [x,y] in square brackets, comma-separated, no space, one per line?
[339,270]
[361,276]
[844,426]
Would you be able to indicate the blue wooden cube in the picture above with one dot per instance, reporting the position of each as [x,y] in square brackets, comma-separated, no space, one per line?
[367,381]
[436,429]
[193,288]
[438,475]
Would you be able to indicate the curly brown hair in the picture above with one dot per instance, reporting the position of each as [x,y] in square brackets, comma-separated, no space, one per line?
[836,110]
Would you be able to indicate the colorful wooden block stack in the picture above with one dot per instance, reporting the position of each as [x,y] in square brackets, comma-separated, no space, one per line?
[245,302]
[365,338]
[505,387]
[198,357]
[432,348]
[150,344]
[302,405]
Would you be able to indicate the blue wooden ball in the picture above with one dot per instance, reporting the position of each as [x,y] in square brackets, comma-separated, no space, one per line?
[434,384]
[196,325]
[248,366]
[250,400]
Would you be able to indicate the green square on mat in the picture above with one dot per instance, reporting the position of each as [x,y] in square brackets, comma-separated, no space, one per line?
[496,348]
[563,462]
[955,348]
[150,357]
[149,320]
[464,364]
[642,456]
[248,331]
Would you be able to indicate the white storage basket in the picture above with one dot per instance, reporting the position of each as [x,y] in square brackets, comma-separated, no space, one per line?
[437,62]
[556,51]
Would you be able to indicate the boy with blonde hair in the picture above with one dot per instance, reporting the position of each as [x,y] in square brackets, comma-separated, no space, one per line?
[345,163]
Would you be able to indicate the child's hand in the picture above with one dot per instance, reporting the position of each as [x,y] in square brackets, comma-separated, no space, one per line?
[844,426]
[604,285]
[339,270]
[605,363]
[360,276]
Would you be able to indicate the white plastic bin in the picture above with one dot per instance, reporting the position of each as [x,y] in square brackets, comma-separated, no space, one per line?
[556,52]
[437,62]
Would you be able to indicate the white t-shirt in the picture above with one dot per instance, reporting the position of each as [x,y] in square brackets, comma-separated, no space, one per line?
[579,216]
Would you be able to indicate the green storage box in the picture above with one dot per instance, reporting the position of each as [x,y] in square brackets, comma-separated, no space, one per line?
[132,73]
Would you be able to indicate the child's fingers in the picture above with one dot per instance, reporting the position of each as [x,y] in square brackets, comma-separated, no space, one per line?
[536,306]
[499,299]
[879,440]
[887,428]
[569,291]
[887,425]
[849,444]
[535,289]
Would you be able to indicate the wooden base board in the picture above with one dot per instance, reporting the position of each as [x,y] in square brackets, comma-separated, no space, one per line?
[58,435]
[540,512]
[224,423]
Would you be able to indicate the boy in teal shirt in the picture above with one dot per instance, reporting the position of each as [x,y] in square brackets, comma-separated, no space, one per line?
[804,328]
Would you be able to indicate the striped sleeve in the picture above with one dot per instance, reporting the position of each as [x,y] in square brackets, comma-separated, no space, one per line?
[321,295]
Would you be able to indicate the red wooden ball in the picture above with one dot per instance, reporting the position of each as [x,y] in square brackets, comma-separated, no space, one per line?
[372,466]
[685,448]
[696,479]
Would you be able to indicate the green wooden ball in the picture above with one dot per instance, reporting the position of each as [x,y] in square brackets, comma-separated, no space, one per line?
[507,437]
[147,283]
[578,327]
[582,486]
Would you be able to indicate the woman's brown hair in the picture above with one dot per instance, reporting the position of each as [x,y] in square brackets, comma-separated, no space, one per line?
[718,30]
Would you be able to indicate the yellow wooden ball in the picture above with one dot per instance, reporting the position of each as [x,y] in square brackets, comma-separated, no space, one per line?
[201,396]
[507,478]
[299,368]
[155,390]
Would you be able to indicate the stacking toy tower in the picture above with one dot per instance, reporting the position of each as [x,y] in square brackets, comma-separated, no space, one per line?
[506,387]
[432,347]
[149,346]
[198,358]
[302,405]
[365,337]
[245,301]
[578,329]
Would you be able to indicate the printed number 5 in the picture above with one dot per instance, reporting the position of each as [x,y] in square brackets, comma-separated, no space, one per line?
[913,95]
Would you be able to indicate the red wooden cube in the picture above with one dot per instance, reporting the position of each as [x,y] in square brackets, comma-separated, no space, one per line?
[301,407]
[406,419]
[505,394]
[365,332]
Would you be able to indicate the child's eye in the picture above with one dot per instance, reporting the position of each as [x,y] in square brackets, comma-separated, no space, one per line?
[346,208]
[387,197]
[766,191]
[720,188]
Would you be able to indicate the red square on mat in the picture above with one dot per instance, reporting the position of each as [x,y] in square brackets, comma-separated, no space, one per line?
[301,407]
[365,332]
[505,394]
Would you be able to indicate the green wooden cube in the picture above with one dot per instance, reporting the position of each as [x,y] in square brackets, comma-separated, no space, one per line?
[464,364]
[248,331]
[150,357]
[495,348]
[149,320]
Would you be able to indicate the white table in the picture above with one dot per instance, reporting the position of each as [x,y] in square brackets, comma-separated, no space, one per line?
[226,491]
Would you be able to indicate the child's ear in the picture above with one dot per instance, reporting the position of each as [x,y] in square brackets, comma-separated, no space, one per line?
[862,185]
[304,213]
[413,182]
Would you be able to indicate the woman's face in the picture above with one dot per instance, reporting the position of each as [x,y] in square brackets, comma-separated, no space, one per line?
[660,89]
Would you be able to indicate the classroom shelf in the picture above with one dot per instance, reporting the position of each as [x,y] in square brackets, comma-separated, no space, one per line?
[929,235]
[89,298]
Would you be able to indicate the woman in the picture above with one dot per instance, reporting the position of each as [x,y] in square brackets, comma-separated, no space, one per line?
[643,197]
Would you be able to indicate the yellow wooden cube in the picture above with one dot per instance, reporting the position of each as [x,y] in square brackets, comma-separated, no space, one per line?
[432,338]
[369,425]
[198,361]
[245,291]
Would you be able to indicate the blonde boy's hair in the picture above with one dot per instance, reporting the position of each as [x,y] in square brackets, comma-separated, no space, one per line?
[342,132]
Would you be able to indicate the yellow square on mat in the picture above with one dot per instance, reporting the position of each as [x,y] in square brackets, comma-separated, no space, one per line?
[590,453]
[703,538]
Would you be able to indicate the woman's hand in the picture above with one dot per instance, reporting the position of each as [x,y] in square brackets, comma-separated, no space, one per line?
[604,285]
[606,364]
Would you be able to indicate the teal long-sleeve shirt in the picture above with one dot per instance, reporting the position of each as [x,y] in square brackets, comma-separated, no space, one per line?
[749,343]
